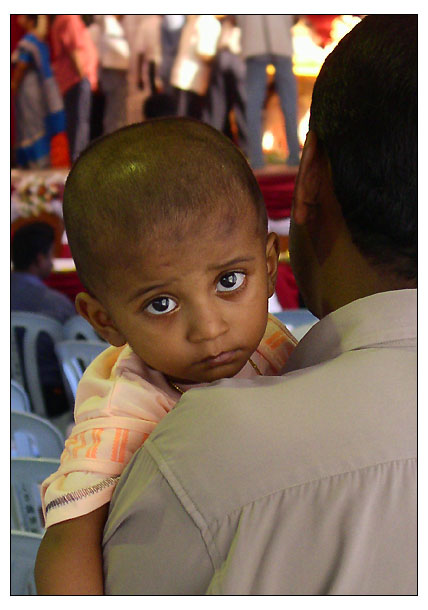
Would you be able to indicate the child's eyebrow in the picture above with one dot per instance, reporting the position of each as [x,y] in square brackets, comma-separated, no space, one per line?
[142,291]
[232,262]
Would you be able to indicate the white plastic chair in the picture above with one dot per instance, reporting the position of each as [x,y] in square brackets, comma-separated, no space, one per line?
[19,400]
[23,550]
[26,372]
[26,476]
[293,318]
[74,357]
[33,436]
[77,327]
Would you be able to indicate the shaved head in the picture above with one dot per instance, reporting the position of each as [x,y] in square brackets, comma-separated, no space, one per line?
[131,186]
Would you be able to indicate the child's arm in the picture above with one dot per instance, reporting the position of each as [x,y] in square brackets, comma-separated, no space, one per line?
[69,561]
[75,499]
[18,75]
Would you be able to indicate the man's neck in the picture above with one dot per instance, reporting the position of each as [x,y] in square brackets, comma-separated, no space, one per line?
[351,276]
[30,271]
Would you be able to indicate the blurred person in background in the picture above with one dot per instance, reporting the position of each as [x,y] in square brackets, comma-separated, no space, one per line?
[39,108]
[148,47]
[267,39]
[97,97]
[170,33]
[32,258]
[143,35]
[75,63]
[227,91]
[114,62]
[159,105]
[191,70]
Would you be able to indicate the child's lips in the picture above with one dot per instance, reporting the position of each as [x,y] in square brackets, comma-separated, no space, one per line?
[222,358]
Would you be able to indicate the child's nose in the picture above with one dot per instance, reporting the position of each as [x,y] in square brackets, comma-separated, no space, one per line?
[206,324]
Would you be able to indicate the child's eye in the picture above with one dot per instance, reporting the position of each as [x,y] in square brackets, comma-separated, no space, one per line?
[161,305]
[230,281]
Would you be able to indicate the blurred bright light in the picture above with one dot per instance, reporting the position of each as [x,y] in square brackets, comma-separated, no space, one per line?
[303,127]
[267,142]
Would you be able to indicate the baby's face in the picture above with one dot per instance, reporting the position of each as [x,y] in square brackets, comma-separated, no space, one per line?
[196,309]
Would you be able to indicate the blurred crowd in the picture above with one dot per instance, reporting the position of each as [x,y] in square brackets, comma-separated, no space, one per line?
[77,77]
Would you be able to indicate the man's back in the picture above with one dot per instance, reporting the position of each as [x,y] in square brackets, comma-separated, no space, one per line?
[304,484]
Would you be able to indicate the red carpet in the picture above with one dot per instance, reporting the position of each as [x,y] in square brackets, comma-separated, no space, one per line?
[277,191]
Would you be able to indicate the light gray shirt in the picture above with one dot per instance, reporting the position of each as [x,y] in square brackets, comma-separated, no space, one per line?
[297,485]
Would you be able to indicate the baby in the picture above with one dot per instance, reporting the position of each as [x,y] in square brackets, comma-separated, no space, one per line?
[168,230]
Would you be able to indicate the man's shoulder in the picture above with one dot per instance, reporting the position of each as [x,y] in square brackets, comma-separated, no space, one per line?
[56,304]
[26,290]
[31,294]
[19,277]
[255,436]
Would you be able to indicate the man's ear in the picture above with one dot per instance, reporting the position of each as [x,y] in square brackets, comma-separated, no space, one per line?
[272,256]
[91,309]
[308,181]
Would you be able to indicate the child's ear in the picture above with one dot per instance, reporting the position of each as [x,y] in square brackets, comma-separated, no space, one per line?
[272,255]
[92,310]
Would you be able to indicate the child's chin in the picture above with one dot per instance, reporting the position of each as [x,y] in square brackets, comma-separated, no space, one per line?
[224,372]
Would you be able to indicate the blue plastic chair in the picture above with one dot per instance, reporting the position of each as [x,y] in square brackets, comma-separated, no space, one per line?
[33,436]
[25,370]
[293,318]
[74,357]
[23,550]
[26,476]
[77,328]
[19,400]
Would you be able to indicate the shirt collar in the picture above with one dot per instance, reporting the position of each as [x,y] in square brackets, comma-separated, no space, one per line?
[380,318]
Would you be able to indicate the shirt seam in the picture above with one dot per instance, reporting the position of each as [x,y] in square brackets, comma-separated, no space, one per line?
[312,482]
[187,502]
[375,339]
[304,360]
[196,515]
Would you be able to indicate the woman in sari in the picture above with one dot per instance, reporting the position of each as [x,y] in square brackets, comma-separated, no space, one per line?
[40,117]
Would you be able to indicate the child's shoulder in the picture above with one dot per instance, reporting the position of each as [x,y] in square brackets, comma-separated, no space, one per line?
[106,363]
[116,379]
[118,362]
[277,344]
[276,329]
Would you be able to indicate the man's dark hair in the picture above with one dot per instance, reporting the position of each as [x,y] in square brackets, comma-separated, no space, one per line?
[28,242]
[364,112]
[169,172]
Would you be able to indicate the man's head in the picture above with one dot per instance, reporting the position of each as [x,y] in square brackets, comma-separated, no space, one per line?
[355,210]
[32,249]
[168,229]
[27,22]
